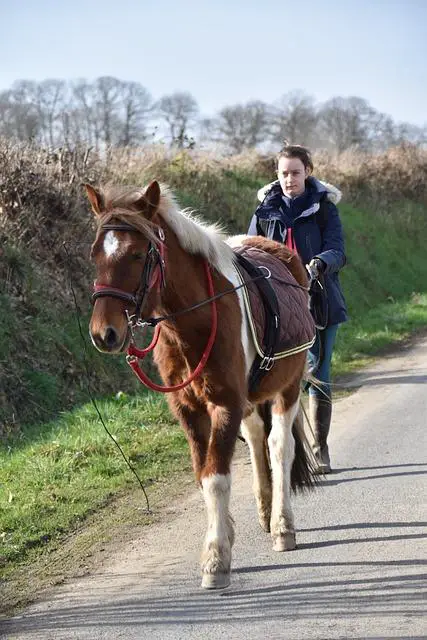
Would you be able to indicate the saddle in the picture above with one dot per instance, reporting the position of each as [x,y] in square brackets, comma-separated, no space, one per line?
[277,310]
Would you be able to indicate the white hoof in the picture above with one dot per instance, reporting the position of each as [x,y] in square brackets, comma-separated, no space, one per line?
[284,542]
[215,580]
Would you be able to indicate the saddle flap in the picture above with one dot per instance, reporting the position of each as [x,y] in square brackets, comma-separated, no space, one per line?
[296,331]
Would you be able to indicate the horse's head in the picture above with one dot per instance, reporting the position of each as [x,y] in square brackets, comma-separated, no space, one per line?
[128,258]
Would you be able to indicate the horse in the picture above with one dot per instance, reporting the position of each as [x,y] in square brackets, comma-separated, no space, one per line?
[153,260]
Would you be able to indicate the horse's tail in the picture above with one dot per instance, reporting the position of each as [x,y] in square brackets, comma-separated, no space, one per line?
[264,411]
[303,477]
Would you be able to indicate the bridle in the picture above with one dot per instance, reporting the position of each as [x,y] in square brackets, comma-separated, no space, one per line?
[153,274]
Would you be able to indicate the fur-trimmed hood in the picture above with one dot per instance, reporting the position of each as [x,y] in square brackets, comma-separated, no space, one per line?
[316,231]
[334,194]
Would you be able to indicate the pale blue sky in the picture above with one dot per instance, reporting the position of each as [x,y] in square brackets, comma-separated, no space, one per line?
[227,51]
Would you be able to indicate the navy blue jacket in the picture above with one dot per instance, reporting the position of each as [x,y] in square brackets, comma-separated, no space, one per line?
[315,235]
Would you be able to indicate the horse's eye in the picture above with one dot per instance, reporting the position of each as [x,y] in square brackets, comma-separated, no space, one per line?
[137,256]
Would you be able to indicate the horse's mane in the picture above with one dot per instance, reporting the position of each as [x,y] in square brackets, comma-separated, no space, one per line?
[195,236]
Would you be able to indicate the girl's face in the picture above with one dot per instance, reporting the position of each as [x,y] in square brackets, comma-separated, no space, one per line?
[292,174]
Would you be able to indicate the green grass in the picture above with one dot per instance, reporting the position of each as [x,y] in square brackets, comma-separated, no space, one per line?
[378,328]
[386,258]
[384,282]
[49,483]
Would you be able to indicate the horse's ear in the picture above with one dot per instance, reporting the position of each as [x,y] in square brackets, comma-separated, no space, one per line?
[148,203]
[152,196]
[95,198]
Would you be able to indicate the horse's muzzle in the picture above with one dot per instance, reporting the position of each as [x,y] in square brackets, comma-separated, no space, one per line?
[109,341]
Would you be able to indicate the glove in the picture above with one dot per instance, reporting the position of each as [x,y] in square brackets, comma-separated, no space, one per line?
[315,267]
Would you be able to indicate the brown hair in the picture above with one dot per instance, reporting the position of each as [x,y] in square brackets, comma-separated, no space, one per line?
[295,151]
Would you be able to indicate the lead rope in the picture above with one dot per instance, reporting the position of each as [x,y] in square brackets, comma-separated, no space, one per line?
[88,387]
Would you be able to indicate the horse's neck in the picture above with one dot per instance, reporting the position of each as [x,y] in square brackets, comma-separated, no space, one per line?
[186,282]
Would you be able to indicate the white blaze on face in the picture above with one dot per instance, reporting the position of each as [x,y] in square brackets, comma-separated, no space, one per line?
[111,244]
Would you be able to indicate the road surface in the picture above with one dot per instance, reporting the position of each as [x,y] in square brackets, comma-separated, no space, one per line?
[358,572]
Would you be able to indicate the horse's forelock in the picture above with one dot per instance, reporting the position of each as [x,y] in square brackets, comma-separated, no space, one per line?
[133,218]
[119,204]
[125,197]
[121,197]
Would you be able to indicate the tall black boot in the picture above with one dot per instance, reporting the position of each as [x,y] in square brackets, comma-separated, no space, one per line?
[320,419]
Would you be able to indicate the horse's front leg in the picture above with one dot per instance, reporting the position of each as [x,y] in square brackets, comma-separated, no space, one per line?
[216,485]
[196,422]
[281,444]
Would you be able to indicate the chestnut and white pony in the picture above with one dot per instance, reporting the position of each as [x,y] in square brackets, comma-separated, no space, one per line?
[135,223]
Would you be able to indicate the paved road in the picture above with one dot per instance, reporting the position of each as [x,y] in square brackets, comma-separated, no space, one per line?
[358,572]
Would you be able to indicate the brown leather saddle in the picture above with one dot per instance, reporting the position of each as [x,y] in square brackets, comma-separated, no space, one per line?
[277,309]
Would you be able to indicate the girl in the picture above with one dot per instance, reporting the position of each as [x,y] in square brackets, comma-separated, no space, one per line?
[300,211]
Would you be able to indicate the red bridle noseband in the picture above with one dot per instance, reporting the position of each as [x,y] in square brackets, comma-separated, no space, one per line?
[153,274]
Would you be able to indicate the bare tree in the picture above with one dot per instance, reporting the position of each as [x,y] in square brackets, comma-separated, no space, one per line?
[406,132]
[137,106]
[73,127]
[179,110]
[243,126]
[295,119]
[50,98]
[348,122]
[107,103]
[207,130]
[18,113]
[382,133]
[108,111]
[80,119]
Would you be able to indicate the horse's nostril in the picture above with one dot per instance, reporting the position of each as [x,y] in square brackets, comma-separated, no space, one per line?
[110,337]
[97,340]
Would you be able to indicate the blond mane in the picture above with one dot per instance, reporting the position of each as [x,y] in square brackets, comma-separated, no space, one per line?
[194,235]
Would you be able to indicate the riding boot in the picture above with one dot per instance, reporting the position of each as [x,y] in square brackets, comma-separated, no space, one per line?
[320,419]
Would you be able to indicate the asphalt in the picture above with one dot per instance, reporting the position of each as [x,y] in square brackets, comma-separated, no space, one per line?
[359,569]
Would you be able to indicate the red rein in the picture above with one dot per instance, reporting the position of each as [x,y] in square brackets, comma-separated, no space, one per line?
[135,354]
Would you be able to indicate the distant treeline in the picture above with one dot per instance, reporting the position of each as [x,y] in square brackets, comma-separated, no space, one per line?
[111,112]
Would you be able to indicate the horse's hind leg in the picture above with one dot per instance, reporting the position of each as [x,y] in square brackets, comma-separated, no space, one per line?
[282,452]
[216,485]
[253,431]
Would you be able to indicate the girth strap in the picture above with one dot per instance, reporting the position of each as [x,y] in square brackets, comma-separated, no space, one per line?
[260,365]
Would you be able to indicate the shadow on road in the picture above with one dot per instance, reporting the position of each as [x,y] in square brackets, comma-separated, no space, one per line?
[309,599]
[332,480]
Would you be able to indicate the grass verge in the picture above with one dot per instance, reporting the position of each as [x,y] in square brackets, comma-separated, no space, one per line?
[381,327]
[53,476]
